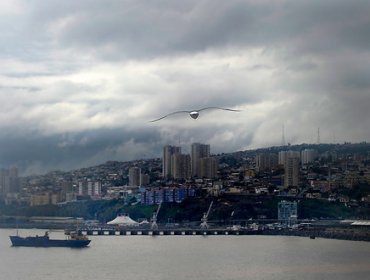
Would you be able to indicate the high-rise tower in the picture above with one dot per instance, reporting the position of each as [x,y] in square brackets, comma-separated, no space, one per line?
[308,156]
[168,151]
[8,181]
[208,167]
[266,161]
[291,167]
[134,176]
[180,166]
[198,151]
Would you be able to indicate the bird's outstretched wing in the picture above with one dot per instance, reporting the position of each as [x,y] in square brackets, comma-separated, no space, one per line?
[220,108]
[170,114]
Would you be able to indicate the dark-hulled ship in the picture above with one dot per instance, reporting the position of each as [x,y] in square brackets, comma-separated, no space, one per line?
[74,240]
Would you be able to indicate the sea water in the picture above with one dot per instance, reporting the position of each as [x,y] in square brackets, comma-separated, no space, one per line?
[187,257]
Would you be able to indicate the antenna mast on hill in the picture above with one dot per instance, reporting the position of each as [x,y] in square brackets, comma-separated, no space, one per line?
[318,135]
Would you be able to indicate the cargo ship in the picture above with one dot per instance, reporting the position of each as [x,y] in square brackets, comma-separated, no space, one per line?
[74,240]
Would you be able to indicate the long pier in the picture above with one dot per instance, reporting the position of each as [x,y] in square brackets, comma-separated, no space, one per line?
[166,232]
[359,235]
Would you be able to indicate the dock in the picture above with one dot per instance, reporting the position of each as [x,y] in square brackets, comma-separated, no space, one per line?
[166,232]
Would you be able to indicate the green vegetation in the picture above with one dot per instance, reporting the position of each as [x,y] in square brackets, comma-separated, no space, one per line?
[313,208]
[356,192]
[224,209]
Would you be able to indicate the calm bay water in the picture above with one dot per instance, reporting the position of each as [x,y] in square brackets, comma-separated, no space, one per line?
[187,257]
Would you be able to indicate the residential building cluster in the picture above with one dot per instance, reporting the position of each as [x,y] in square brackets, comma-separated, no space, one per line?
[324,171]
[199,164]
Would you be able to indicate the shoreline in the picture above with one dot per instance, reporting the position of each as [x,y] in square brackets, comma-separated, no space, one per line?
[329,233]
[339,233]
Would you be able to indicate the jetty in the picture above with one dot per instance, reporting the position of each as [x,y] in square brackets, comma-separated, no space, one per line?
[166,232]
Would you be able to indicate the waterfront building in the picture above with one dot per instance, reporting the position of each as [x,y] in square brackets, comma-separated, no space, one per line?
[45,198]
[39,199]
[152,196]
[198,151]
[287,212]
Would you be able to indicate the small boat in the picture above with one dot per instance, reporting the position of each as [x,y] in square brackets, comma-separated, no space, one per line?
[74,240]
[312,236]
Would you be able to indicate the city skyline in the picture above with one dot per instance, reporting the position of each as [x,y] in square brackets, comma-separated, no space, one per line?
[79,83]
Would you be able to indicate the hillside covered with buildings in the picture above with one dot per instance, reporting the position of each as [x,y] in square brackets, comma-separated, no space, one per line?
[326,180]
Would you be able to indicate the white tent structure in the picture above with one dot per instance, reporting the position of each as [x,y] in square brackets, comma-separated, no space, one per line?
[144,222]
[123,220]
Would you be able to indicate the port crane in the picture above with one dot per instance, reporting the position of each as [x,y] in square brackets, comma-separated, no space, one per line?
[204,224]
[154,225]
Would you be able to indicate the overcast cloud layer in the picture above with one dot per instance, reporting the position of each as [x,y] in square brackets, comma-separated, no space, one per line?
[80,80]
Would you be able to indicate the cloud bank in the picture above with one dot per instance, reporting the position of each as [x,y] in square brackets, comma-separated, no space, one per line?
[80,80]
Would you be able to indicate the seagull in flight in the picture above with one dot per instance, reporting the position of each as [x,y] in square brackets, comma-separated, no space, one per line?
[195,113]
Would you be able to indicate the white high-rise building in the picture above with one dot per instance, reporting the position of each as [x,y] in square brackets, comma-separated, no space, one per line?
[198,151]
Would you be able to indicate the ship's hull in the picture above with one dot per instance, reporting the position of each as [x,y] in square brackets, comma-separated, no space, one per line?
[46,242]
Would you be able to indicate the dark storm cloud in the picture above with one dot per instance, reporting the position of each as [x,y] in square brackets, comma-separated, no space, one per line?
[33,153]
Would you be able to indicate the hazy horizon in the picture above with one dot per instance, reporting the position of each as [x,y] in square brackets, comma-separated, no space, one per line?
[184,151]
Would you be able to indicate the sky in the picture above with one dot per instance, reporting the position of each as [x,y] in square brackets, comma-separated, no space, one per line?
[81,80]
